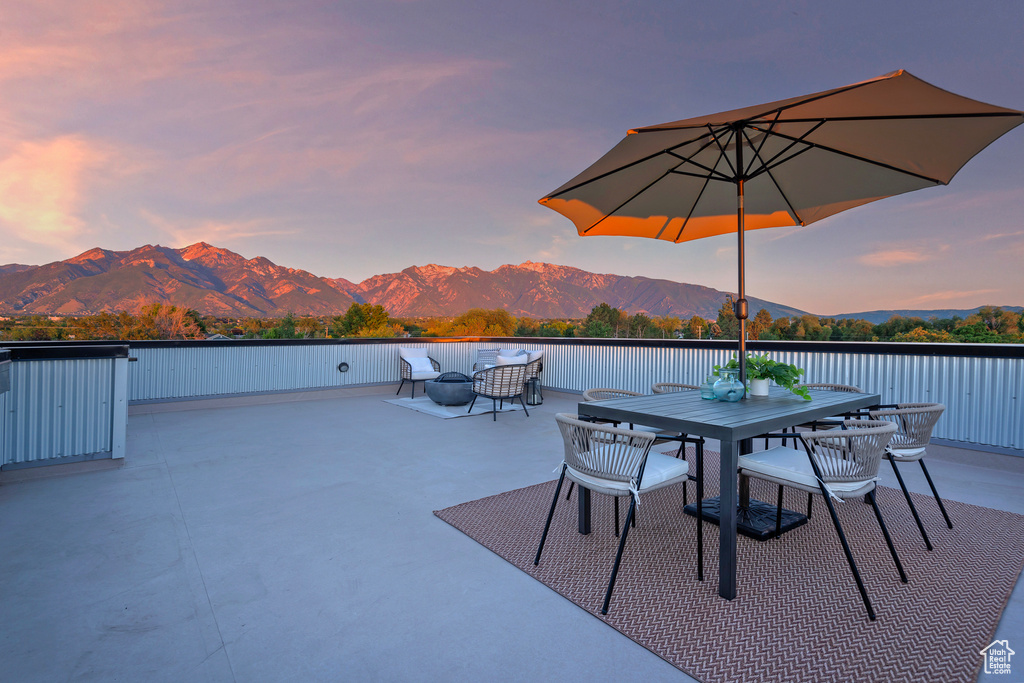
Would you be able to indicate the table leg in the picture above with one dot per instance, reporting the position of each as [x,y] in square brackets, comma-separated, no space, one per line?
[727,521]
[583,495]
[745,448]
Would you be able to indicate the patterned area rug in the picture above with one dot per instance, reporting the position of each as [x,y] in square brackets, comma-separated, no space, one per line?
[423,404]
[798,615]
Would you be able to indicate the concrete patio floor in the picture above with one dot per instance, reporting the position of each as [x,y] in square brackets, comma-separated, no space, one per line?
[290,538]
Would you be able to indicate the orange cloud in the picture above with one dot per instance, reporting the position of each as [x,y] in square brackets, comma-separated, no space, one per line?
[182,233]
[951,295]
[888,258]
[41,188]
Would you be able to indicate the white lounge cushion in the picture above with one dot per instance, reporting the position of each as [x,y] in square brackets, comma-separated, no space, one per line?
[660,468]
[791,464]
[408,352]
[510,360]
[511,352]
[419,365]
[534,355]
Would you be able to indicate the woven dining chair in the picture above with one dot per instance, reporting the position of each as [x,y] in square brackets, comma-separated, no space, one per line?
[836,463]
[662,435]
[668,387]
[500,383]
[823,423]
[620,463]
[914,422]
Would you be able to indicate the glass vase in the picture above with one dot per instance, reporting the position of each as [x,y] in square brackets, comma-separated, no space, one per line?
[728,387]
[707,388]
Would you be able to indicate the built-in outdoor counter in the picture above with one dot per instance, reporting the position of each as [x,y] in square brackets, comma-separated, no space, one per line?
[63,403]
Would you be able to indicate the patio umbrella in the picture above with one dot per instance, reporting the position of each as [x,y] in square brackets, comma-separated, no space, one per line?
[785,163]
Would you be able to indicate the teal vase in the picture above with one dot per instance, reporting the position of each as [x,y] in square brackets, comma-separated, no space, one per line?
[728,387]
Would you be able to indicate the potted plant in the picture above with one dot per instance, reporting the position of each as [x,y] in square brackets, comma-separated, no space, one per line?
[761,369]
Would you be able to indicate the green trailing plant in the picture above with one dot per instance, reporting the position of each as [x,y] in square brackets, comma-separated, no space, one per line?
[761,366]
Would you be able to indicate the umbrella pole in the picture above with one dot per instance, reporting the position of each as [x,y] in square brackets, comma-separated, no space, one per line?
[740,308]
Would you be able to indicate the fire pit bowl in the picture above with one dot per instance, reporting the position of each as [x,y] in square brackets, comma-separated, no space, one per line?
[450,389]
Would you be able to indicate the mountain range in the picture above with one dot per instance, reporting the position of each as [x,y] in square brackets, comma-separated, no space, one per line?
[219,282]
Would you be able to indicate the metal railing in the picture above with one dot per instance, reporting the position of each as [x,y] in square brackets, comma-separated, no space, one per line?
[980,384]
[65,403]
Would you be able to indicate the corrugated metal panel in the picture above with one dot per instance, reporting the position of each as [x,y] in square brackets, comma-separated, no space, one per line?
[982,395]
[58,409]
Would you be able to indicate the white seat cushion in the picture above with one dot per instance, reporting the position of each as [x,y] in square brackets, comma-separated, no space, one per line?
[793,465]
[534,355]
[660,468]
[433,374]
[510,360]
[906,453]
[511,352]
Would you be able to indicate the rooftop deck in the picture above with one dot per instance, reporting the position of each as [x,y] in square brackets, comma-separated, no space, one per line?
[290,538]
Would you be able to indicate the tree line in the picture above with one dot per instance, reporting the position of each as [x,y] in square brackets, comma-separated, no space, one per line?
[990,324]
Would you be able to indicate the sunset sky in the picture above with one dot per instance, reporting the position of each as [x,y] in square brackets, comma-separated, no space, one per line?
[357,138]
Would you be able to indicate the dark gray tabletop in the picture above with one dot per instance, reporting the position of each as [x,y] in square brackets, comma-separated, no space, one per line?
[687,412]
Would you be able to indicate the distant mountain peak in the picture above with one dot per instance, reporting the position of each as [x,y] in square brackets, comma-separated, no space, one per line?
[212,280]
[217,281]
[95,254]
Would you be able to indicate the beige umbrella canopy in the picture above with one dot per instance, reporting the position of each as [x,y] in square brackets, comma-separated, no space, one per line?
[785,163]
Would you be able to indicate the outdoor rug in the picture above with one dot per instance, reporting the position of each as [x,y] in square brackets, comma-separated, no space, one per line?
[798,615]
[423,404]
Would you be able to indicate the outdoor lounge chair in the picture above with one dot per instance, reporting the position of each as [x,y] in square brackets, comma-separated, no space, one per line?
[615,462]
[499,383]
[835,463]
[416,366]
[915,422]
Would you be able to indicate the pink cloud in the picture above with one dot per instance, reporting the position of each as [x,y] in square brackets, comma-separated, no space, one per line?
[888,258]
[41,185]
[951,296]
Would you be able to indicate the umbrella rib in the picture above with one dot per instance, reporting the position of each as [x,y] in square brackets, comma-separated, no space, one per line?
[770,163]
[722,150]
[631,198]
[689,160]
[661,177]
[778,110]
[693,207]
[909,117]
[669,151]
[765,165]
[849,155]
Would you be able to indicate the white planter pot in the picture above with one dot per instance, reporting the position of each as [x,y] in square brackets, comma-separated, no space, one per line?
[759,387]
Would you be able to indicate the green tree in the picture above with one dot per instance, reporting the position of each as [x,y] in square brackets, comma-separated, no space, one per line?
[761,323]
[919,334]
[359,319]
[285,329]
[528,327]
[897,324]
[477,322]
[668,326]
[597,328]
[613,317]
[638,325]
[698,327]
[976,333]
[727,322]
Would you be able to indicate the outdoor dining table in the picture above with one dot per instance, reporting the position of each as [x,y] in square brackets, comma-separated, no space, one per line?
[734,425]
